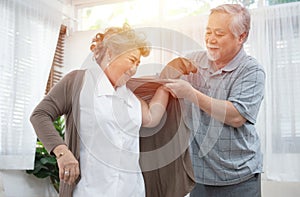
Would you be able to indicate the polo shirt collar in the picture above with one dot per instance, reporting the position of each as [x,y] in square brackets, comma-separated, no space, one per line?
[235,62]
[232,65]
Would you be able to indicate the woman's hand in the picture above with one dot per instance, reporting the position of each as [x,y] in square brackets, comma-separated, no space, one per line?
[67,164]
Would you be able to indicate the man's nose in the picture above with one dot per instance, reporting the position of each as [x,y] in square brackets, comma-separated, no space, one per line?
[211,39]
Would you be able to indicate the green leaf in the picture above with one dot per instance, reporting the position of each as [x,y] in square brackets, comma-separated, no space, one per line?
[37,168]
[48,160]
[43,174]
[41,151]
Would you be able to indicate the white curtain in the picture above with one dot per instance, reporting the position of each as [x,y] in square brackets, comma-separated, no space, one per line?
[28,34]
[275,41]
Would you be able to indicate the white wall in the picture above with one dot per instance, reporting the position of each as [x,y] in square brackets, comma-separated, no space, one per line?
[77,49]
[280,189]
[17,183]
[1,187]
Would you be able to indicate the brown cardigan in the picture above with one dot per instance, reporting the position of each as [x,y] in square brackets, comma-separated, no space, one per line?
[175,179]
[63,99]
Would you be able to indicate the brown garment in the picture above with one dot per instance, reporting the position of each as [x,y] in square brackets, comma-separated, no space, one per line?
[164,152]
[177,67]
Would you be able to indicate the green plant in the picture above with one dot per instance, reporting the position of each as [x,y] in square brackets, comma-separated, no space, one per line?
[45,165]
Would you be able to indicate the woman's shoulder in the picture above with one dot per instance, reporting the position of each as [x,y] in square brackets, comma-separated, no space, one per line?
[74,75]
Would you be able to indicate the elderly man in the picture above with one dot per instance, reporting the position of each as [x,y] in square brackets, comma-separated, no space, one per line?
[223,99]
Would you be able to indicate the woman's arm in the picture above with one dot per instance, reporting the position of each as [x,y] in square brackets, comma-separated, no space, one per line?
[152,113]
[58,102]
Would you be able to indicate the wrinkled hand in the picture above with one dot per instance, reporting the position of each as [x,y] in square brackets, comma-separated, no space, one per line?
[68,167]
[176,68]
[180,89]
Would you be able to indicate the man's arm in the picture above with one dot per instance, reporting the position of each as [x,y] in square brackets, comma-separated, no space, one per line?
[221,110]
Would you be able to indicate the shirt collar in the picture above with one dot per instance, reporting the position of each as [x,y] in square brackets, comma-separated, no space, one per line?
[232,65]
[207,64]
[235,62]
[105,88]
[126,95]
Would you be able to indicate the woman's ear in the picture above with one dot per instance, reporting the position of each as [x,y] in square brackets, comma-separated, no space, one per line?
[109,54]
[105,60]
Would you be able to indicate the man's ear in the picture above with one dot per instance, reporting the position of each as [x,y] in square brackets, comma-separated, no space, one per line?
[243,37]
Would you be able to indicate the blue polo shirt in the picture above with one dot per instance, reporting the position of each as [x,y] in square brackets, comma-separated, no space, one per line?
[222,154]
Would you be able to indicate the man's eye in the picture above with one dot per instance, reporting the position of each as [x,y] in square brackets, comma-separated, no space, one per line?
[220,33]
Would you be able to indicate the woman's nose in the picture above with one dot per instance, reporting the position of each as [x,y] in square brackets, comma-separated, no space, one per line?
[132,70]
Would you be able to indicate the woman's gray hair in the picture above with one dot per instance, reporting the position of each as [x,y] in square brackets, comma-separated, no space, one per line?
[240,18]
[119,40]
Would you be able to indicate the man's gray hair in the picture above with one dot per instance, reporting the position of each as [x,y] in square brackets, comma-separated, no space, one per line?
[240,18]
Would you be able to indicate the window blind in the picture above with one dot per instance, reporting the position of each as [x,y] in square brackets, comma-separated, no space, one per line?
[56,69]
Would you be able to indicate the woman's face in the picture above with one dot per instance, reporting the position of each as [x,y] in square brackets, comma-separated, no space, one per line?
[123,67]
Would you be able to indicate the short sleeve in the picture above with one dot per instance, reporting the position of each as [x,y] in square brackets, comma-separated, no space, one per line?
[247,92]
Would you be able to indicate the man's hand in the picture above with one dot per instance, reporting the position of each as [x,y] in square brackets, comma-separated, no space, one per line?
[176,68]
[181,89]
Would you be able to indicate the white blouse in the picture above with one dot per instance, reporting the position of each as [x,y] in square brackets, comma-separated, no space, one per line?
[109,139]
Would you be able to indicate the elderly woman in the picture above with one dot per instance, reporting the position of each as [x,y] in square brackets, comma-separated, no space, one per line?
[100,154]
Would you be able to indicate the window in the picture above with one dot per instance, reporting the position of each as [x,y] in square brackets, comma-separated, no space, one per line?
[149,12]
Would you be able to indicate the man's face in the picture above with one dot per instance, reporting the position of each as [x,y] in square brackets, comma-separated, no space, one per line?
[221,44]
